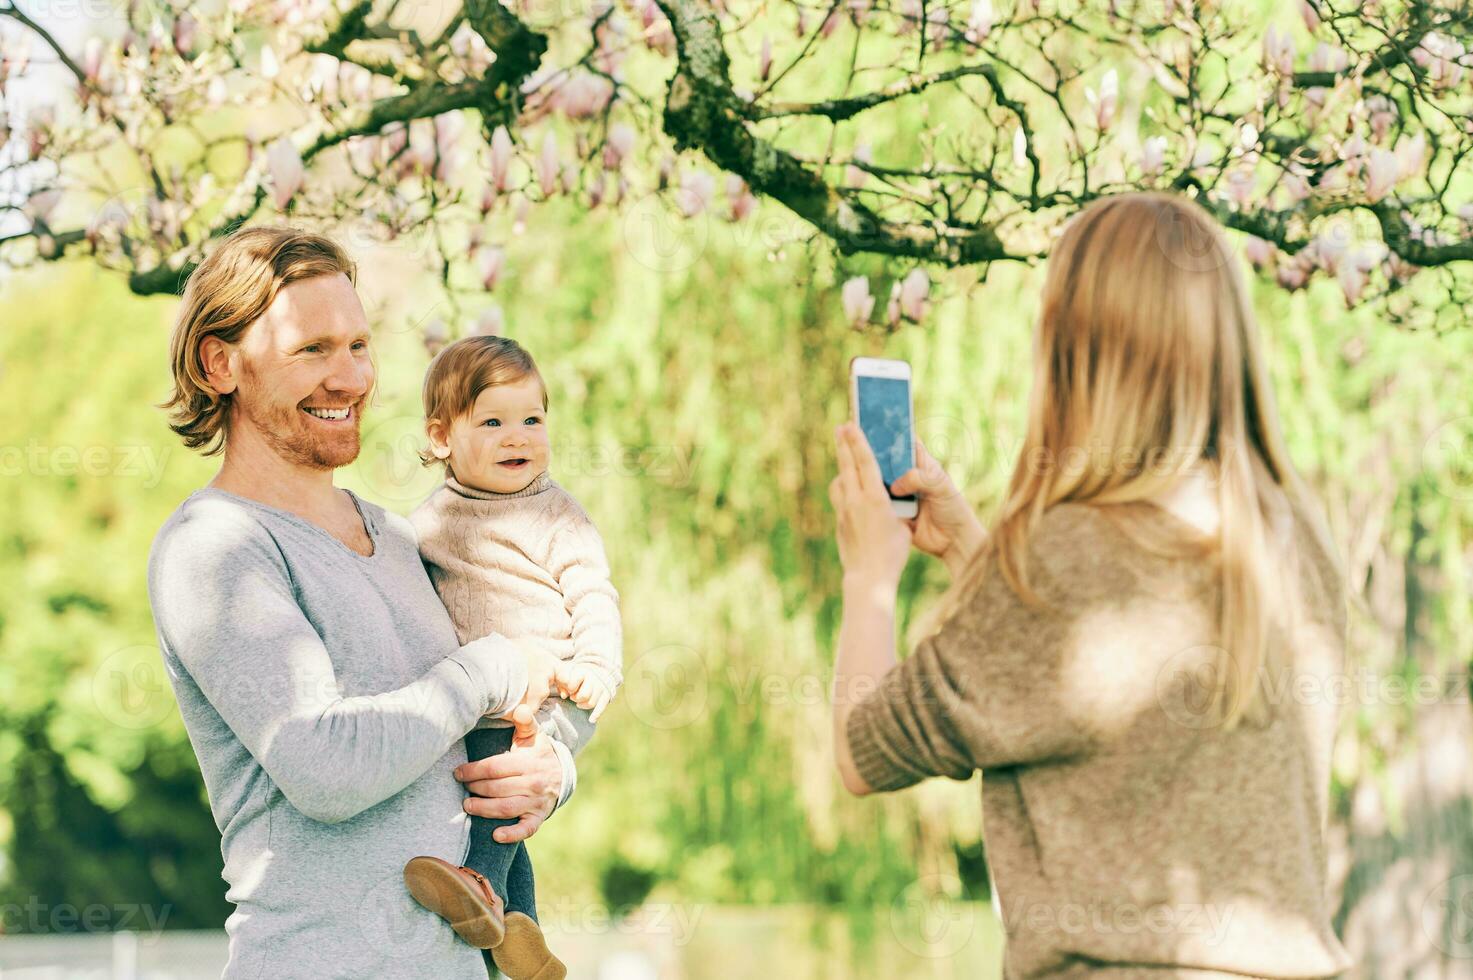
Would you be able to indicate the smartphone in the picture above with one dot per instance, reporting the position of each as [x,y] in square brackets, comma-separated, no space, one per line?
[879,393]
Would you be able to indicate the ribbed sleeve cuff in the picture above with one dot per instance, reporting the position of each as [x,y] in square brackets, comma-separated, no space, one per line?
[881,771]
[570,771]
[498,670]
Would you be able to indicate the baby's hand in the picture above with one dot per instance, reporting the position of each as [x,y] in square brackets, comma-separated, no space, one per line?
[584,686]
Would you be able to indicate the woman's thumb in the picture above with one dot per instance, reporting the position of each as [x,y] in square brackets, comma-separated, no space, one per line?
[908,483]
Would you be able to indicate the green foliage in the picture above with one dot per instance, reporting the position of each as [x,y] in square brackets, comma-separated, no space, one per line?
[692,414]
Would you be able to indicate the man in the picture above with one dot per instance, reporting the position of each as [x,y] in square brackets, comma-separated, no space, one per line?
[318,675]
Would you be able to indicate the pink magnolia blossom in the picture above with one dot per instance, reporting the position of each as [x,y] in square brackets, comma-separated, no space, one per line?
[1240,181]
[584,96]
[92,59]
[1278,51]
[1104,102]
[1153,155]
[1398,269]
[1327,57]
[501,151]
[287,173]
[913,291]
[1260,253]
[858,303]
[491,260]
[856,176]
[38,126]
[1381,113]
[490,323]
[1310,13]
[363,153]
[1441,55]
[764,58]
[618,145]
[1381,173]
[186,31]
[1352,279]
[1411,156]
[979,22]
[548,167]
[40,205]
[694,195]
[395,139]
[468,46]
[1292,276]
[1327,250]
[739,198]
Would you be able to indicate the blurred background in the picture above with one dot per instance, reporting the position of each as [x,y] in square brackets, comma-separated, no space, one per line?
[696,353]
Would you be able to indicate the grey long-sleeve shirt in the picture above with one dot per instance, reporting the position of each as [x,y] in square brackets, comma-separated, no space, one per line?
[326,697]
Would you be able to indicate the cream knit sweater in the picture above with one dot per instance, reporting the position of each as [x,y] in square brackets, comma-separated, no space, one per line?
[530,566]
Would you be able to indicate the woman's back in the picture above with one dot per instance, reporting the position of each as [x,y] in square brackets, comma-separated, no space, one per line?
[1125,828]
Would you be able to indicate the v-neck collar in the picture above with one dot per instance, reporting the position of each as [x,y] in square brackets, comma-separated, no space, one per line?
[370,524]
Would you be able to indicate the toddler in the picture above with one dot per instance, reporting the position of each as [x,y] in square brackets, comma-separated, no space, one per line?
[510,552]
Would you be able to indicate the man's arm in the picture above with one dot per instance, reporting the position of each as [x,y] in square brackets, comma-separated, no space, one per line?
[224,607]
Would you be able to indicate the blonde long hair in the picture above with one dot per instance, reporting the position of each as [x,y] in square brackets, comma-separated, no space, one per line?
[1147,364]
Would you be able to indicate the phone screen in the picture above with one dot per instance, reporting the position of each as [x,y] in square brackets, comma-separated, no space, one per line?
[884,416]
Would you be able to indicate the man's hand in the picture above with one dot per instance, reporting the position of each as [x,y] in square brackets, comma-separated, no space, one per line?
[541,675]
[522,783]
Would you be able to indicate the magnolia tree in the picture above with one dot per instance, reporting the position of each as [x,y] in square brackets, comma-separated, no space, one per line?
[1332,133]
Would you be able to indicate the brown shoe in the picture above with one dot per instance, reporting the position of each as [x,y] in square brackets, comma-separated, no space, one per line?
[523,954]
[460,896]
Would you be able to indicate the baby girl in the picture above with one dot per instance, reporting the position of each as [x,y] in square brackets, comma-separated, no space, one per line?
[510,552]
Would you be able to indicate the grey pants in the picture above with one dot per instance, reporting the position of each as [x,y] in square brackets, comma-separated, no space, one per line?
[507,866]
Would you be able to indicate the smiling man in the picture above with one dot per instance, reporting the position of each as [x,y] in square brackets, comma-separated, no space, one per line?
[318,675]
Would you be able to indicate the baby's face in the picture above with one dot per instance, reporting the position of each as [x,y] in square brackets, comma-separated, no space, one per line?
[501,446]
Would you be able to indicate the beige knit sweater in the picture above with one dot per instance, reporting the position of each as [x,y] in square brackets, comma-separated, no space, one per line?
[529,565]
[1128,836]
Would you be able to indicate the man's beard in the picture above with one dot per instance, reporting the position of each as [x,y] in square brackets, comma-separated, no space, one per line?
[286,430]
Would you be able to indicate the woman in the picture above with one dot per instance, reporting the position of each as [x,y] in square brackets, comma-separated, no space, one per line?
[1136,654]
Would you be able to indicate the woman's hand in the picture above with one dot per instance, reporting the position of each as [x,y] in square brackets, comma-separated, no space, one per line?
[873,543]
[944,525]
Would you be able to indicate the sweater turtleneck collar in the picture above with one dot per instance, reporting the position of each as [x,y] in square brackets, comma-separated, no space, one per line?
[541,483]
